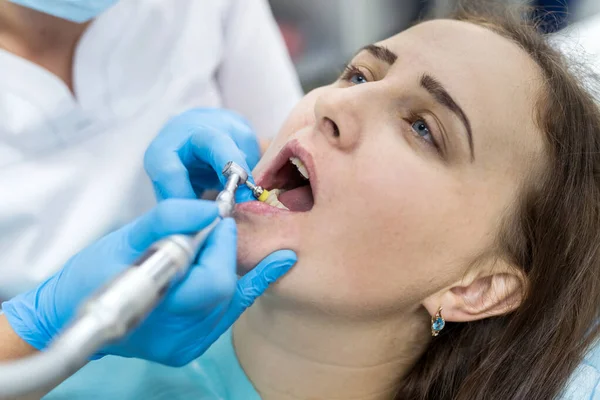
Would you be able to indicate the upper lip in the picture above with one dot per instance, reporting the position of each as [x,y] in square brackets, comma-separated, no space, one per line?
[291,149]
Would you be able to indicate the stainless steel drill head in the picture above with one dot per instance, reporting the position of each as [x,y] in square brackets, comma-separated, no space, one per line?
[233,168]
[257,191]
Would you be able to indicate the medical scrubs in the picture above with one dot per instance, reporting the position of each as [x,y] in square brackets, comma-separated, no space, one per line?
[216,375]
[71,165]
[585,382]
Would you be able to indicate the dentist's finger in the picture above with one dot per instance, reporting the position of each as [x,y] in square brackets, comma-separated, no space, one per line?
[163,164]
[216,149]
[240,131]
[251,286]
[170,217]
[213,279]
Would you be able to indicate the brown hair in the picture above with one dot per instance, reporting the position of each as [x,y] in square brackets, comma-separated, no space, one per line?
[554,236]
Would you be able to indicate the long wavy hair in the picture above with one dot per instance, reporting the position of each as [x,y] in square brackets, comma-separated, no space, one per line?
[553,234]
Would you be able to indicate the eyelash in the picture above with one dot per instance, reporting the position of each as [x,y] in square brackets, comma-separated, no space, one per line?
[414,118]
[351,71]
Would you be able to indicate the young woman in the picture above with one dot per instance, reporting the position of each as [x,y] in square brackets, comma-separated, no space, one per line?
[447,236]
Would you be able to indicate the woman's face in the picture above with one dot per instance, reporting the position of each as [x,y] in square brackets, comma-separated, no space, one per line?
[414,156]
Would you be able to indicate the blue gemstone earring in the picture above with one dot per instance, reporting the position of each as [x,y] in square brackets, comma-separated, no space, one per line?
[437,323]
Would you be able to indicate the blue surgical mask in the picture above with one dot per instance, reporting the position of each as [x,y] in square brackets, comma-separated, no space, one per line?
[72,10]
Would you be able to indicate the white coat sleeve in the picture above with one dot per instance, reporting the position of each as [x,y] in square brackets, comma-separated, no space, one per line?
[256,77]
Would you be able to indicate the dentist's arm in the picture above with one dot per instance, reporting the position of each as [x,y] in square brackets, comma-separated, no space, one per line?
[12,346]
[181,163]
[192,316]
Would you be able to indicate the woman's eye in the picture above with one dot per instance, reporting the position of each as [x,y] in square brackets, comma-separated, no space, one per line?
[420,127]
[353,75]
[358,78]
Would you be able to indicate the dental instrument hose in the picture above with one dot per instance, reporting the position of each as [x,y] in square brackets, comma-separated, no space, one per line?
[118,307]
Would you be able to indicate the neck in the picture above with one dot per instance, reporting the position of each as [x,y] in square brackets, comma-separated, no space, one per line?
[40,38]
[290,354]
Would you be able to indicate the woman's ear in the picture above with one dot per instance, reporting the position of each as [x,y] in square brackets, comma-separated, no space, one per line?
[480,295]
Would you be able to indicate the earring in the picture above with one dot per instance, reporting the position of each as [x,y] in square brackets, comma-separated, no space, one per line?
[437,323]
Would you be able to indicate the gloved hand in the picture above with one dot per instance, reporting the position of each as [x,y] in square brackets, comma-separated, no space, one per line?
[194,313]
[189,153]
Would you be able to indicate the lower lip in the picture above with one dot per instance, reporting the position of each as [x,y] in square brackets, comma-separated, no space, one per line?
[258,207]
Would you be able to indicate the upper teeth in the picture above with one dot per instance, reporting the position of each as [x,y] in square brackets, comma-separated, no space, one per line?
[300,165]
[273,199]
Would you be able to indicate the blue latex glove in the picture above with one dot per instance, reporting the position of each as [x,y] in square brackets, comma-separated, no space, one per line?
[183,158]
[194,313]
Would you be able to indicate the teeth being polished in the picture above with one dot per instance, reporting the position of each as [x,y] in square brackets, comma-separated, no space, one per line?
[272,200]
[300,165]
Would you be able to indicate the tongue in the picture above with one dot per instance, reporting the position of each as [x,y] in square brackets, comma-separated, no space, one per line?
[299,199]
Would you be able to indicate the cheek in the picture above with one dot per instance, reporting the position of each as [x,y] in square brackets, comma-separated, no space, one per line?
[396,197]
[393,224]
[391,227]
[379,242]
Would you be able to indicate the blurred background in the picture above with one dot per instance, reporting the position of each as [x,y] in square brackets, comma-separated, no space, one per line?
[322,35]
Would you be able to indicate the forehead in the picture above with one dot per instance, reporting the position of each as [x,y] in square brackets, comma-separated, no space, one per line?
[493,80]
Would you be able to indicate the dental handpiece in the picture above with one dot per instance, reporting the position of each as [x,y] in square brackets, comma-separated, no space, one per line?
[133,294]
[119,306]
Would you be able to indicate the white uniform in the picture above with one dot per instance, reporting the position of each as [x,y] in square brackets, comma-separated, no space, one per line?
[71,166]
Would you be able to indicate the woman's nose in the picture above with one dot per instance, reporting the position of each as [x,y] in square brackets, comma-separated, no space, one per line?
[338,116]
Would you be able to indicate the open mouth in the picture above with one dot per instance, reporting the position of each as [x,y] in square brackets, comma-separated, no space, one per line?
[289,180]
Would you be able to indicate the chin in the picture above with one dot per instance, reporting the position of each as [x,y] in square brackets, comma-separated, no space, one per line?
[253,245]
[259,236]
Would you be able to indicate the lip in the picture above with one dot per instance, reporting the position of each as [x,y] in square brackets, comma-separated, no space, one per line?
[258,207]
[293,148]
[267,179]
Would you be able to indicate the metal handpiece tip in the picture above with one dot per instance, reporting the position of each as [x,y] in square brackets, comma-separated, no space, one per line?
[233,168]
[256,190]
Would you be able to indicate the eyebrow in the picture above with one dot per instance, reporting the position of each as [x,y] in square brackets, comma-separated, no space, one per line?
[441,95]
[432,85]
[381,53]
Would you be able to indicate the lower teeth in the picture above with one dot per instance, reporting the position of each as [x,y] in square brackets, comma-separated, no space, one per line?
[272,200]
